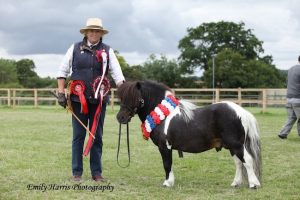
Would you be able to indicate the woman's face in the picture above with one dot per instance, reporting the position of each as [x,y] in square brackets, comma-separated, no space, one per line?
[93,36]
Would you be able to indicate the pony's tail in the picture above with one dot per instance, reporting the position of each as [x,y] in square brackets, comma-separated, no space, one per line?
[252,145]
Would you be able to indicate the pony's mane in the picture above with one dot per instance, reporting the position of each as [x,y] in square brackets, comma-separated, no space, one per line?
[132,88]
[156,84]
[128,92]
[151,88]
[186,109]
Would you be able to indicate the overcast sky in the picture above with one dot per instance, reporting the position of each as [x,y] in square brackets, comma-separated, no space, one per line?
[43,30]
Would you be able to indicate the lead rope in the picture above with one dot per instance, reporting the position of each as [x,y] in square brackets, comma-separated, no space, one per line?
[128,149]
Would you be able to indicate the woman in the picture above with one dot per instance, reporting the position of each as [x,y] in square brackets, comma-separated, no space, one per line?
[90,61]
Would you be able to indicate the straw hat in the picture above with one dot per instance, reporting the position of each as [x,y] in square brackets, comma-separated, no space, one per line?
[93,24]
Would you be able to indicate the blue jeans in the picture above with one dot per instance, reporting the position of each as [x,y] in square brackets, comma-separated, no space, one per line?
[79,134]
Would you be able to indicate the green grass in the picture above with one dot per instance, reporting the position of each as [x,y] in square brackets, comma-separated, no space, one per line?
[35,148]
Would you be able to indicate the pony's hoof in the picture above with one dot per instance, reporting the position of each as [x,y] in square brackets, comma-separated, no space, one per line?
[235,184]
[254,187]
[168,183]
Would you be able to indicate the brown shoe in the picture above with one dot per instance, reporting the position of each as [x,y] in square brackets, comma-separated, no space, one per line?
[77,178]
[98,178]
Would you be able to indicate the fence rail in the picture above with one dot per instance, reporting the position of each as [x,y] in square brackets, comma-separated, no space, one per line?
[263,98]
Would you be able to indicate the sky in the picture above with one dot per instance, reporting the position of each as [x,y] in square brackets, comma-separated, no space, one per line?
[43,30]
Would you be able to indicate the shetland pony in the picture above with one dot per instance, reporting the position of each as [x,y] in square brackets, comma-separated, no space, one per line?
[193,129]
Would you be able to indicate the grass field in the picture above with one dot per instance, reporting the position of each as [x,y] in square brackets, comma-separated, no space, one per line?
[35,152]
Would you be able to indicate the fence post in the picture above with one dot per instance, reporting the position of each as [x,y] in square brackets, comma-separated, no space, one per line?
[56,100]
[8,98]
[264,100]
[112,100]
[240,96]
[35,97]
[217,95]
[14,98]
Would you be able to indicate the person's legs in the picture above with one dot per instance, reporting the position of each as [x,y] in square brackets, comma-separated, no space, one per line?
[289,123]
[96,149]
[79,133]
[296,108]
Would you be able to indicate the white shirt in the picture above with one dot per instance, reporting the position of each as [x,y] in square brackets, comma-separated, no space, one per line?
[114,66]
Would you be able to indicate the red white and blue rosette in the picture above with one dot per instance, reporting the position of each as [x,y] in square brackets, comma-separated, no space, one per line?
[160,112]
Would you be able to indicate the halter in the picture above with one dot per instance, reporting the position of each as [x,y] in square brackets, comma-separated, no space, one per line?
[128,148]
[134,110]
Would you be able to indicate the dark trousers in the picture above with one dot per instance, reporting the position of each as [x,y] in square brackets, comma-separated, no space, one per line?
[79,134]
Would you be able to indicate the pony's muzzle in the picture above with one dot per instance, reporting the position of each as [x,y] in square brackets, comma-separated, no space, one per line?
[123,119]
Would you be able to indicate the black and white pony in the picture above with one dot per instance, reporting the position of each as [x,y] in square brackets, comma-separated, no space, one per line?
[193,129]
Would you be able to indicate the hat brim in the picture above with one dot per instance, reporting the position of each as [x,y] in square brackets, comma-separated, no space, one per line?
[83,30]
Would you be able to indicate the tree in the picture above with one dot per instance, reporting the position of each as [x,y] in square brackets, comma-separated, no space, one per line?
[208,39]
[8,74]
[15,74]
[265,75]
[283,75]
[130,72]
[26,74]
[47,82]
[232,70]
[165,71]
[133,73]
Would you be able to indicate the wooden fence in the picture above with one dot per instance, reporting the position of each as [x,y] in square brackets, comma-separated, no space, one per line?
[245,97]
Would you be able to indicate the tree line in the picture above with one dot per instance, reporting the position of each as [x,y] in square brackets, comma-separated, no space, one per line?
[224,51]
[21,74]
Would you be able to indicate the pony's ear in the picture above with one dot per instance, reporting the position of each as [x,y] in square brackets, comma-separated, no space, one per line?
[138,85]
